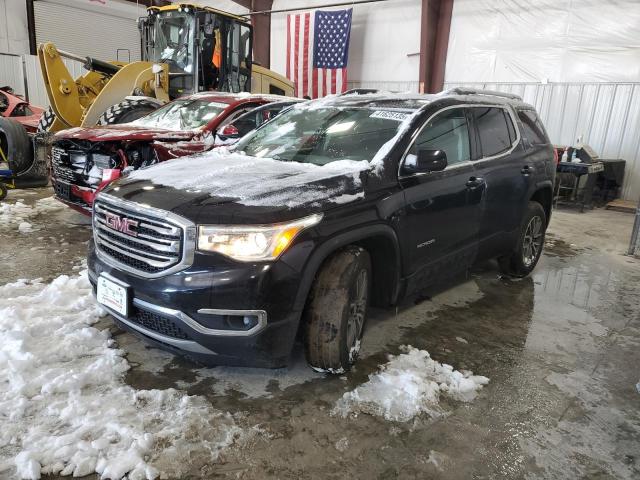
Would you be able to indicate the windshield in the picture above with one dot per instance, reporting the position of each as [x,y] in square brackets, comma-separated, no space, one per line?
[173,40]
[182,115]
[324,135]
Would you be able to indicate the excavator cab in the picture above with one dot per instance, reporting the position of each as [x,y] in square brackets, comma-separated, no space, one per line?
[205,49]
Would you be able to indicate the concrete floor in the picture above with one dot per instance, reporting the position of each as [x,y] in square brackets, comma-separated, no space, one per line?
[562,350]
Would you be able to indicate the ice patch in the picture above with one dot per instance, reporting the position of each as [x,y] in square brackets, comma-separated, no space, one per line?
[461,340]
[410,384]
[17,213]
[342,445]
[638,387]
[436,459]
[25,227]
[64,407]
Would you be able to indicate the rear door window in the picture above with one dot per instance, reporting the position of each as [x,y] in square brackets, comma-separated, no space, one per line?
[495,130]
[532,128]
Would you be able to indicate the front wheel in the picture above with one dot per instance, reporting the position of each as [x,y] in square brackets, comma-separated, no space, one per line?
[3,191]
[528,248]
[337,310]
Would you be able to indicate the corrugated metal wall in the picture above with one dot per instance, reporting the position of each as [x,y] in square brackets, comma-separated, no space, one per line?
[12,72]
[88,31]
[606,114]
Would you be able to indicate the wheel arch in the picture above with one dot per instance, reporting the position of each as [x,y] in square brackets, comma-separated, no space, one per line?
[381,242]
[544,196]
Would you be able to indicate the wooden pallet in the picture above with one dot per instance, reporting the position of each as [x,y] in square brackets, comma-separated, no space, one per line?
[620,205]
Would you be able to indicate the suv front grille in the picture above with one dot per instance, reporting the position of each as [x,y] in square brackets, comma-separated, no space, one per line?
[60,170]
[151,245]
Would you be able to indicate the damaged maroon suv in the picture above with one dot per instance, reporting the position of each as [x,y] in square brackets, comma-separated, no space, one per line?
[85,160]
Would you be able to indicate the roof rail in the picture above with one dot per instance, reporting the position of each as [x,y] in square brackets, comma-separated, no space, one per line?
[359,91]
[476,91]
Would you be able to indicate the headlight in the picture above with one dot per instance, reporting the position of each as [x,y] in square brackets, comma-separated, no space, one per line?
[252,243]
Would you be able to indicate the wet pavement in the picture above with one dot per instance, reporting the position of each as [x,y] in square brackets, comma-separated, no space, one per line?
[561,349]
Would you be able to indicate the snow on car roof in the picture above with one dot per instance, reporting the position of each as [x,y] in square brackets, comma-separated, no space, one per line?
[384,100]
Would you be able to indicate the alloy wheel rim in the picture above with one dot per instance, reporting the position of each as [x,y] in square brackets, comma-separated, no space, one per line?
[357,309]
[532,241]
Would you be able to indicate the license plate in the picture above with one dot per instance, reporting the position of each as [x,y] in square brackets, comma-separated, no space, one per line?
[63,190]
[113,295]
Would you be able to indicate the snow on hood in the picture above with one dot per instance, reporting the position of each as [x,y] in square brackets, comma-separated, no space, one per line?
[125,131]
[258,181]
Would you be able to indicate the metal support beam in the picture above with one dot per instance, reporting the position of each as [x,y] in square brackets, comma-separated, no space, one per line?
[434,41]
[261,21]
[31,28]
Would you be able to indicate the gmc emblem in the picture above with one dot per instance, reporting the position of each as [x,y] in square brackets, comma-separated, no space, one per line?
[121,224]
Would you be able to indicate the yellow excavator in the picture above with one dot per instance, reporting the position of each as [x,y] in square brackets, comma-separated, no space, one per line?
[186,49]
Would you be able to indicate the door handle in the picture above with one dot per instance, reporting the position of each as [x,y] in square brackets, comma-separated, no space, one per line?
[474,182]
[526,170]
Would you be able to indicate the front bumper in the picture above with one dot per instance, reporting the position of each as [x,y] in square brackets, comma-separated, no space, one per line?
[198,312]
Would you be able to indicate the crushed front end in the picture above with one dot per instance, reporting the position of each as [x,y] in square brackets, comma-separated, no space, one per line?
[80,168]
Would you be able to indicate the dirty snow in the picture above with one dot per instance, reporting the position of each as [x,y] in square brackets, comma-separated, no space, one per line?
[25,227]
[255,181]
[64,407]
[16,214]
[408,385]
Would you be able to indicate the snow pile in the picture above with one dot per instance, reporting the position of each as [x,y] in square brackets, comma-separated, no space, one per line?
[256,181]
[64,408]
[410,384]
[12,214]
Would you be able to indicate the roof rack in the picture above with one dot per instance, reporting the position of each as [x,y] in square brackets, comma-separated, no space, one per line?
[475,91]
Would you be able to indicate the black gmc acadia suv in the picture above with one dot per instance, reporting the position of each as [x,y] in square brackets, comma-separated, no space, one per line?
[339,202]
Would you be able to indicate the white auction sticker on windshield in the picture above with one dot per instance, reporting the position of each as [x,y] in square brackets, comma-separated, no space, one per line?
[397,116]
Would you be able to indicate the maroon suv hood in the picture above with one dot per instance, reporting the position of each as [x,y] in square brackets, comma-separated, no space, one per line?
[125,132]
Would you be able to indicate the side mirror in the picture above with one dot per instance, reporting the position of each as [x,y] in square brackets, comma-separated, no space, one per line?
[229,131]
[426,161]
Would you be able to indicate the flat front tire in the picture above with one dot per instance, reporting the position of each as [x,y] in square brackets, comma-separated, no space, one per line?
[528,248]
[337,311]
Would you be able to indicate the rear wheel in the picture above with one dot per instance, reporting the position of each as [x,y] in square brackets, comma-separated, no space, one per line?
[46,120]
[528,247]
[337,310]
[127,111]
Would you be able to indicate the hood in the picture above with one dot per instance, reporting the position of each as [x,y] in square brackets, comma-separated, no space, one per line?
[124,132]
[223,187]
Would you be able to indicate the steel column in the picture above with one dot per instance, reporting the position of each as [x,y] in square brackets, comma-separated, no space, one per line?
[260,11]
[434,42]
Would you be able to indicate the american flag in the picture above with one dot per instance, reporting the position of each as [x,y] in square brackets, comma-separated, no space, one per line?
[317,51]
